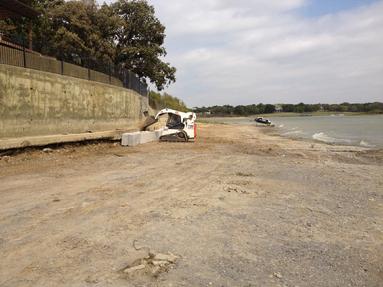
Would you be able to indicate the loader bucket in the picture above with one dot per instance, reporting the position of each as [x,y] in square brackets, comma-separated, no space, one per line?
[148,122]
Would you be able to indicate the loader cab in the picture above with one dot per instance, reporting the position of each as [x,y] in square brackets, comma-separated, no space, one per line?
[174,122]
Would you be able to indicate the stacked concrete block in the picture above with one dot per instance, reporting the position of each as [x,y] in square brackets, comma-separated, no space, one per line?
[147,137]
[136,138]
[131,139]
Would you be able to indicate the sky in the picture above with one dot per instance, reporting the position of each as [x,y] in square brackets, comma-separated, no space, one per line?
[242,52]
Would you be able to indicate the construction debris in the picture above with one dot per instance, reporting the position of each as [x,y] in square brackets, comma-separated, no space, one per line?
[133,269]
[152,265]
[166,257]
[277,275]
[47,150]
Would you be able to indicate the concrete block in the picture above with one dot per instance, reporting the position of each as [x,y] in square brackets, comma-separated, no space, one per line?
[147,137]
[131,139]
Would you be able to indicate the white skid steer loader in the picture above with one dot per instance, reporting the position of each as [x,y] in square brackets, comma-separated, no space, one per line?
[180,127]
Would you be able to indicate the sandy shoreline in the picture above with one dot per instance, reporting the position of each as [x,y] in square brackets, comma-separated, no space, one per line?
[238,207]
[332,132]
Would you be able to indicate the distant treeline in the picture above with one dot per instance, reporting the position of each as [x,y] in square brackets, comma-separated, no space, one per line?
[241,110]
[160,101]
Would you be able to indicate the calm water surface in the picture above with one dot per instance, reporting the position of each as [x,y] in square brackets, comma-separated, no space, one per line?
[364,130]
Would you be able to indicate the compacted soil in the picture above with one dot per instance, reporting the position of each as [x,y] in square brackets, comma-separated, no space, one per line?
[236,208]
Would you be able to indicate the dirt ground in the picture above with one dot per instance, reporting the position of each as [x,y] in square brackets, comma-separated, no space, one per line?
[236,208]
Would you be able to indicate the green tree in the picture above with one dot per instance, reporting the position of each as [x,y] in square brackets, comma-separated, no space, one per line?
[288,108]
[140,37]
[251,109]
[300,108]
[261,108]
[160,101]
[240,110]
[269,109]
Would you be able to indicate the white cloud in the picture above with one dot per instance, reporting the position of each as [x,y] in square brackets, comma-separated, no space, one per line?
[243,51]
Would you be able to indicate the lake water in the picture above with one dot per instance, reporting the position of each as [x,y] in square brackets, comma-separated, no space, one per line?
[364,130]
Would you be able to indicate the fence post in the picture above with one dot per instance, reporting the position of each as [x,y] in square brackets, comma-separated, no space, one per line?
[88,66]
[24,55]
[62,67]
[110,74]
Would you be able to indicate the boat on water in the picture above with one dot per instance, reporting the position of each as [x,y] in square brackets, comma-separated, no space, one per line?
[263,121]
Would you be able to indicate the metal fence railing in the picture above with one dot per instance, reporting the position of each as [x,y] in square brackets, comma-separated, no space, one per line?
[107,74]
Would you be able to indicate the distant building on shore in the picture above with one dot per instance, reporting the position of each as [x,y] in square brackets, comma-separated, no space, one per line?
[278,108]
[205,114]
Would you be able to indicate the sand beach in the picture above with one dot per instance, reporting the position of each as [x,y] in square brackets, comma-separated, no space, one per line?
[236,208]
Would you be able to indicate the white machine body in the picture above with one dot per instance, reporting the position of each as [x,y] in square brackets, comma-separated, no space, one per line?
[179,124]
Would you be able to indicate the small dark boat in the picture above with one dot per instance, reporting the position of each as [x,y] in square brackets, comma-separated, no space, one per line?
[264,121]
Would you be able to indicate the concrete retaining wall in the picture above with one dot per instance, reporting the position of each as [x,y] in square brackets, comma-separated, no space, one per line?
[35,103]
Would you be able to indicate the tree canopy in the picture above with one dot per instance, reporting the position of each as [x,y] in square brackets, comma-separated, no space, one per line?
[160,101]
[125,33]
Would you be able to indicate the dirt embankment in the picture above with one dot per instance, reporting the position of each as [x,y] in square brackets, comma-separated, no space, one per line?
[236,208]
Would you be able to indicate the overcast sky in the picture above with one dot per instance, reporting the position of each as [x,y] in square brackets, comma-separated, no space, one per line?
[274,51]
